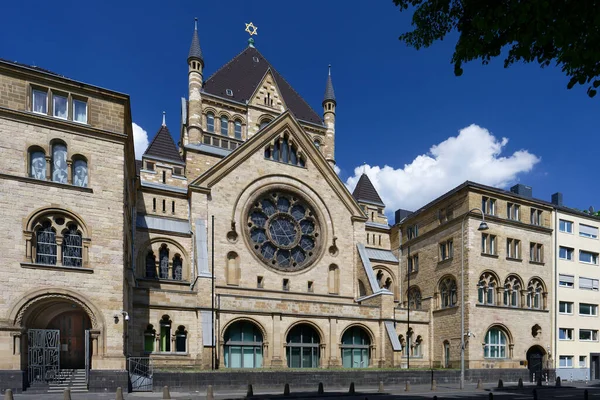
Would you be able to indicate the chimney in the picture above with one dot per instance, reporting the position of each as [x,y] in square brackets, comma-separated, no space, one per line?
[401,214]
[557,199]
[522,190]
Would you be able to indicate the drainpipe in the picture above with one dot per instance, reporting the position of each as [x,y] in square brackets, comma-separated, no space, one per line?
[555,324]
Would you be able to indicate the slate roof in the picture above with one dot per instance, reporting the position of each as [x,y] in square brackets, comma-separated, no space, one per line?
[365,192]
[243,74]
[163,147]
[195,50]
[329,93]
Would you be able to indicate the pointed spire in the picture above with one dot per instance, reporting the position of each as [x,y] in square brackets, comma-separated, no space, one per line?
[365,192]
[329,93]
[164,118]
[195,51]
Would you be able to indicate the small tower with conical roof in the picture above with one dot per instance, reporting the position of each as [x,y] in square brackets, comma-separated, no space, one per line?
[329,104]
[195,67]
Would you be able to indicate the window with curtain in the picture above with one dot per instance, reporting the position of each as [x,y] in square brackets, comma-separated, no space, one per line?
[37,165]
[224,126]
[60,106]
[80,172]
[45,244]
[40,101]
[237,127]
[495,344]
[80,111]
[163,260]
[59,163]
[355,348]
[72,247]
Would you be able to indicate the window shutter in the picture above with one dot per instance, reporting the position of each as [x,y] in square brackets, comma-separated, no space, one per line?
[585,283]
[588,230]
[207,328]
[567,278]
[595,284]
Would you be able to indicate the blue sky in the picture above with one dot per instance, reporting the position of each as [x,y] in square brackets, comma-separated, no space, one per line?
[394,103]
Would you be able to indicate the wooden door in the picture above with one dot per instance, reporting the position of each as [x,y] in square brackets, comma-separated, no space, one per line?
[72,326]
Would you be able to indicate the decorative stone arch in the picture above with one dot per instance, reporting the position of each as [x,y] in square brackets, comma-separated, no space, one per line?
[238,117]
[535,286]
[488,279]
[537,279]
[268,118]
[362,326]
[232,268]
[30,221]
[507,332]
[306,322]
[443,284]
[510,282]
[263,331]
[175,249]
[414,295]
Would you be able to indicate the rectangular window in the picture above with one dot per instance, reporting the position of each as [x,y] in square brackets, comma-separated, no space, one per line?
[565,226]
[588,335]
[565,333]
[412,231]
[588,283]
[80,111]
[488,244]
[310,286]
[178,171]
[536,216]
[488,205]
[565,253]
[173,207]
[588,257]
[59,106]
[446,250]
[413,263]
[588,231]
[149,166]
[589,310]
[40,101]
[513,211]
[164,177]
[566,362]
[260,282]
[567,281]
[513,249]
[566,307]
[286,285]
[582,362]
[536,252]
[154,204]
[164,205]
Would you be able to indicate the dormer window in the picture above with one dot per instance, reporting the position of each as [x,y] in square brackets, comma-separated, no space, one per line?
[229,92]
[255,59]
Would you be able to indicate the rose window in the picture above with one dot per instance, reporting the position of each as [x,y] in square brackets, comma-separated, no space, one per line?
[283,231]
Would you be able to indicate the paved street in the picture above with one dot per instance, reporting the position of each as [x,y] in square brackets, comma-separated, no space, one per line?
[444,391]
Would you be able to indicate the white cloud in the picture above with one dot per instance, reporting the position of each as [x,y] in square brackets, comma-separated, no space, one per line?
[475,155]
[140,140]
[337,170]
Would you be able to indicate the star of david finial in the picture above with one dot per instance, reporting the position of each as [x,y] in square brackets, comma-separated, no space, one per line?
[251,29]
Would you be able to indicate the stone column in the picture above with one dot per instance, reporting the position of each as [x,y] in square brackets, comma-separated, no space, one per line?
[276,360]
[59,241]
[49,168]
[334,348]
[16,343]
[69,172]
[544,301]
[523,298]
[322,353]
[95,335]
[499,296]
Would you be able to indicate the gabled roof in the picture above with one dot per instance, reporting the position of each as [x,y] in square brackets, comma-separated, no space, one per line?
[243,74]
[163,147]
[365,192]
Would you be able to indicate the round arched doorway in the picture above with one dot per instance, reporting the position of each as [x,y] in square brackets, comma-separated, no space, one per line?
[71,326]
[535,362]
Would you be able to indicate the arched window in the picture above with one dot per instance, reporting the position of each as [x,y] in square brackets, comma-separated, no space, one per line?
[264,123]
[37,163]
[486,289]
[243,346]
[303,347]
[446,362]
[418,347]
[414,298]
[334,279]
[72,247]
[210,122]
[180,339]
[149,338]
[163,261]
[224,126]
[177,268]
[362,291]
[317,144]
[535,291]
[355,348]
[283,150]
[165,334]
[150,265]
[237,127]
[59,163]
[448,292]
[495,344]
[45,240]
[512,288]
[80,172]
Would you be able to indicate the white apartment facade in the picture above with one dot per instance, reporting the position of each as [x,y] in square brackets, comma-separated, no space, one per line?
[577,248]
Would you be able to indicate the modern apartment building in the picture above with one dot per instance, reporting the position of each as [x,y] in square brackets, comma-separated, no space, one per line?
[577,246]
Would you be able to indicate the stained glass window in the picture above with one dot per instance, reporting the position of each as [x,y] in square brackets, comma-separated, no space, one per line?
[80,173]
[283,230]
[59,163]
[164,263]
[177,268]
[46,244]
[72,248]
[37,169]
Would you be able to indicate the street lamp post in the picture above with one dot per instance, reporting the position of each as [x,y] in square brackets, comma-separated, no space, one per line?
[482,227]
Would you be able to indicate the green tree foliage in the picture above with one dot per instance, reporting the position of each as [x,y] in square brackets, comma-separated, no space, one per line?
[561,32]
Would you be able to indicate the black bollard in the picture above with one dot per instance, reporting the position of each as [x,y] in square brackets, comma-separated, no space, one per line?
[286,389]
[491,396]
[535,394]
[539,380]
[321,391]
[434,397]
[351,390]
[585,395]
[520,384]
[250,392]
[500,384]
[558,383]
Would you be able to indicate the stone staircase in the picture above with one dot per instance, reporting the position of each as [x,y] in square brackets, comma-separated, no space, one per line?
[73,379]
